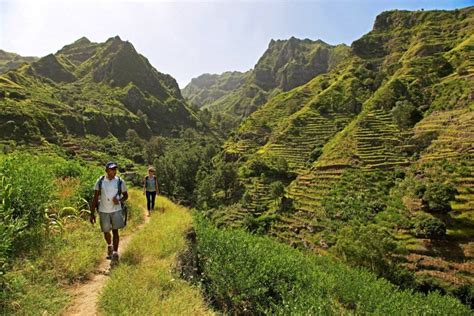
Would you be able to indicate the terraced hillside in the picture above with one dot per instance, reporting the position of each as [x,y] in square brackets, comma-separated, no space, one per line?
[90,89]
[401,102]
[286,64]
[449,156]
[315,113]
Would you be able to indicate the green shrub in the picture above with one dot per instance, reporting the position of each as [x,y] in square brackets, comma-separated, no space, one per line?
[68,168]
[426,226]
[246,274]
[26,192]
[276,189]
[436,196]
[317,151]
[38,233]
[343,203]
[405,114]
[366,246]
[85,190]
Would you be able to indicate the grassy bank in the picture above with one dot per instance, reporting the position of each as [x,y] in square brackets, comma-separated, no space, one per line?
[243,273]
[143,284]
[47,242]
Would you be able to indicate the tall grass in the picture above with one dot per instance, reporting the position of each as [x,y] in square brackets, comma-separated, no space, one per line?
[143,284]
[50,243]
[243,273]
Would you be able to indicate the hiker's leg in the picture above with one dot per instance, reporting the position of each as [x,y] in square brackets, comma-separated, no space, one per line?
[106,226]
[148,200]
[115,233]
[153,196]
[108,238]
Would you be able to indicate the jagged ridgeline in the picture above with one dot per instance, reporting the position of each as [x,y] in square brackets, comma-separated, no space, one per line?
[285,65]
[9,61]
[91,89]
[382,137]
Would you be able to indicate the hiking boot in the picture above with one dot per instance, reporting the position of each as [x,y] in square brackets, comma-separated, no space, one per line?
[115,256]
[110,250]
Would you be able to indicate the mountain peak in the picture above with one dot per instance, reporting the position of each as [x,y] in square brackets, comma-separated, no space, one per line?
[116,38]
[50,67]
[289,63]
[82,40]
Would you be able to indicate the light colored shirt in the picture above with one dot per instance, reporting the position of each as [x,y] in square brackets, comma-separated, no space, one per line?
[109,190]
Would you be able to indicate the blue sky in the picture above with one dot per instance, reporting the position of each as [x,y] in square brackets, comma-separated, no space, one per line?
[189,38]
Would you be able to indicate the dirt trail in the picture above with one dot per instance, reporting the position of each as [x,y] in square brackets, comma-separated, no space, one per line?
[86,295]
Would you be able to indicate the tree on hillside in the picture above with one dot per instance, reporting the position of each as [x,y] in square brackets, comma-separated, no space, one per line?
[405,114]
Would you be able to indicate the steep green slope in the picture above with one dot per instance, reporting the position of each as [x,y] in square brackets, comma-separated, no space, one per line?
[9,61]
[208,88]
[402,99]
[91,89]
[285,65]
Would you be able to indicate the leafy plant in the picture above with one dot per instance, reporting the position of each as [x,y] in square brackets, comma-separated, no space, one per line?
[426,226]
[437,196]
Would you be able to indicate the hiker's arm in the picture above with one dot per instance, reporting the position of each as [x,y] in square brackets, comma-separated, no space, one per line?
[94,202]
[156,184]
[144,184]
[124,196]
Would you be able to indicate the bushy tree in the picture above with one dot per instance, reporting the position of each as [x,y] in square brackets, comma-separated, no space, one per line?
[436,196]
[277,189]
[369,246]
[155,148]
[429,227]
[134,146]
[405,114]
[181,169]
[221,177]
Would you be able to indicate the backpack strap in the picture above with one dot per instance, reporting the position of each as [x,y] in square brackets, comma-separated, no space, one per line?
[101,179]
[119,186]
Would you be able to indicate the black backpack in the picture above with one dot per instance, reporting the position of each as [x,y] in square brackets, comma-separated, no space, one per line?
[124,207]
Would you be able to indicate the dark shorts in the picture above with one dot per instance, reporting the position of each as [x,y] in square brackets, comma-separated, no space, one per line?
[109,221]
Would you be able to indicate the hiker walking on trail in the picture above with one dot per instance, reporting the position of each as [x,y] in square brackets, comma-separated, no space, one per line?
[110,192]
[150,187]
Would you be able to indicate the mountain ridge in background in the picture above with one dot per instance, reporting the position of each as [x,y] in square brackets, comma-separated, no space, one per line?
[9,61]
[91,88]
[284,65]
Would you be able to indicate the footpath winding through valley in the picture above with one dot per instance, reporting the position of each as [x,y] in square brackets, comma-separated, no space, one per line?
[86,295]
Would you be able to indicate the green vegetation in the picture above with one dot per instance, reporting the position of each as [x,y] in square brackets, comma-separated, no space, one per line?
[96,89]
[9,61]
[362,154]
[247,274]
[144,283]
[286,64]
[362,144]
[47,241]
[183,166]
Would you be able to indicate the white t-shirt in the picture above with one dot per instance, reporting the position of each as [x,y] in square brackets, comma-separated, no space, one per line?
[109,190]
